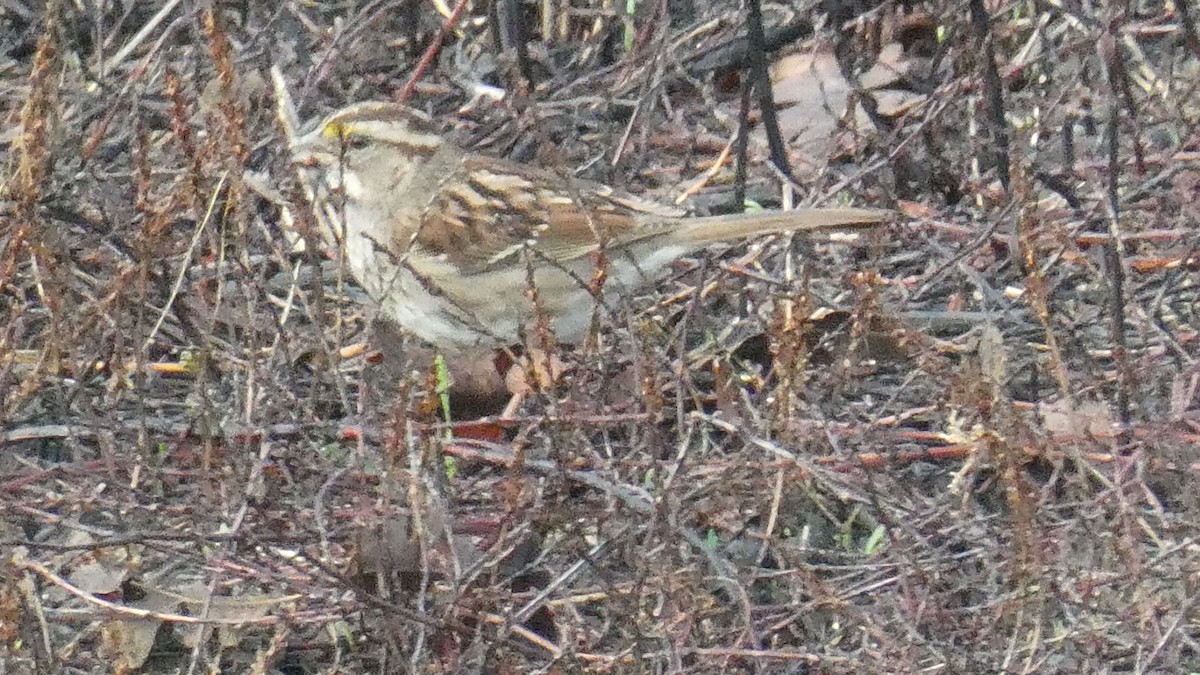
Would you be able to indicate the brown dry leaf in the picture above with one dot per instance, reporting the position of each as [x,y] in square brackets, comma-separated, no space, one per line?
[246,607]
[896,102]
[127,642]
[891,66]
[385,551]
[194,595]
[100,571]
[1085,419]
[813,98]
[94,577]
[993,361]
[387,555]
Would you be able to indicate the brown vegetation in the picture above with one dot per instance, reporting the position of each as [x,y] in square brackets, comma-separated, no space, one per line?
[965,443]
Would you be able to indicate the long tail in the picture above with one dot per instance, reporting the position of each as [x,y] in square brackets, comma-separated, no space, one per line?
[701,231]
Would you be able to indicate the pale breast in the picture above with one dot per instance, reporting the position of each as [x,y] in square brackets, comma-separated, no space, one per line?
[500,299]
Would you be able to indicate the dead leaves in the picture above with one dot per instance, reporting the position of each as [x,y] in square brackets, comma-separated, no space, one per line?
[821,113]
[134,609]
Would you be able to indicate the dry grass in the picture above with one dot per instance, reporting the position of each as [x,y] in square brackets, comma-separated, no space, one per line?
[966,444]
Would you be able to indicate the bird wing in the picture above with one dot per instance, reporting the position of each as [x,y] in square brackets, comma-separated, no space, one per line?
[488,213]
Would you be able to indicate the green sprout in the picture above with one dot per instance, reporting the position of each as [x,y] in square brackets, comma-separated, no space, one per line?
[443,387]
[630,10]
